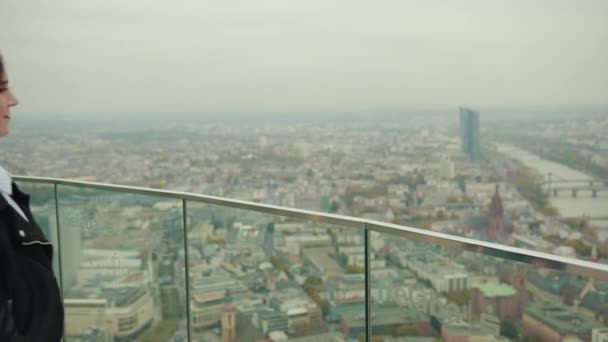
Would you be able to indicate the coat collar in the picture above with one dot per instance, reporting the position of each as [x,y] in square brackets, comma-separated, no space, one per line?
[8,186]
[5,181]
[18,195]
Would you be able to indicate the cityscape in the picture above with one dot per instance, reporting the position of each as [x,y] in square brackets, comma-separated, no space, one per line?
[538,182]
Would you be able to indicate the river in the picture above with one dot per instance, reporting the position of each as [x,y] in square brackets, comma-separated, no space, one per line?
[583,204]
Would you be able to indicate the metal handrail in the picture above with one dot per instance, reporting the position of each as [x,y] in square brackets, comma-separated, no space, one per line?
[541,259]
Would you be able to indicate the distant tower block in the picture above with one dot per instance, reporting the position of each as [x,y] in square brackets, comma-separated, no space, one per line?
[469,133]
[229,323]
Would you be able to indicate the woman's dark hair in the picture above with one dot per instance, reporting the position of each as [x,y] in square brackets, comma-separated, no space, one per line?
[1,66]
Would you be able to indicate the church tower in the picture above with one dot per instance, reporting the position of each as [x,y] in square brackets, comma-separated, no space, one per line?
[229,323]
[496,221]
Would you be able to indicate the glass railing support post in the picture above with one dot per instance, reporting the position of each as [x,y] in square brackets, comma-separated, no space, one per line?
[187,266]
[58,227]
[60,263]
[368,293]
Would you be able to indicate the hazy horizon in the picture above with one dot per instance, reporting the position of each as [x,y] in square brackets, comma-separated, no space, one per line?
[544,110]
[90,57]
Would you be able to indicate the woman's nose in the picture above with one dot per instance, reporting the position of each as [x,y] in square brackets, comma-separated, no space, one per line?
[12,100]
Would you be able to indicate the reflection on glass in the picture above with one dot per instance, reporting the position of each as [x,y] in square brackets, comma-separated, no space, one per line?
[119,255]
[257,276]
[429,291]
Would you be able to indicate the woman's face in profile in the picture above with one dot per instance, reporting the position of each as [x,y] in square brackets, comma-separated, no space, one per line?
[7,100]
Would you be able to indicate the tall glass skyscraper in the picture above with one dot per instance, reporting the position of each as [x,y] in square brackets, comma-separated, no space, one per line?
[469,133]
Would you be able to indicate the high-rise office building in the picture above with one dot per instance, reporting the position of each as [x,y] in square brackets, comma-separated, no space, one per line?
[469,133]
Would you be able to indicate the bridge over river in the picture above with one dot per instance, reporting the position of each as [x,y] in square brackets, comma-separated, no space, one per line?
[574,186]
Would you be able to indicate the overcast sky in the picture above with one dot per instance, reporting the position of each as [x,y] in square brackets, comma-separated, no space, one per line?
[120,56]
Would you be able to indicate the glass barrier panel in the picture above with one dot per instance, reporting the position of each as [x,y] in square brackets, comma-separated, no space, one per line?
[118,263]
[423,290]
[260,277]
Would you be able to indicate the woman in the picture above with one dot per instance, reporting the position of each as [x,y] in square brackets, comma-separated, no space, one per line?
[30,302]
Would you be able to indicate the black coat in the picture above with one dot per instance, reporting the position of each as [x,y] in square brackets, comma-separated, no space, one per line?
[26,274]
